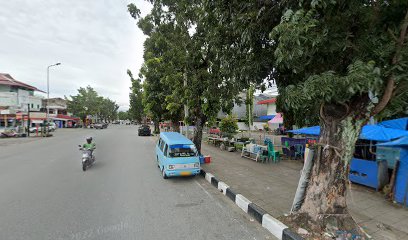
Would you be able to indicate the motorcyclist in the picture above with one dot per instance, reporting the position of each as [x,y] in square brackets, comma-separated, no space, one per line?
[89,145]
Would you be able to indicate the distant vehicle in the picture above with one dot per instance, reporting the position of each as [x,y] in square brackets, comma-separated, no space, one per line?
[100,125]
[144,130]
[176,155]
[214,130]
[51,126]
[35,129]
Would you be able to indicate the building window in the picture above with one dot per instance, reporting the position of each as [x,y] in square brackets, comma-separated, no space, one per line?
[32,105]
[38,106]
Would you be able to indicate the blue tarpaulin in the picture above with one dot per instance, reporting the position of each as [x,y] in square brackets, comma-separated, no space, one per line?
[401,142]
[267,117]
[369,132]
[307,131]
[399,123]
[401,180]
[382,134]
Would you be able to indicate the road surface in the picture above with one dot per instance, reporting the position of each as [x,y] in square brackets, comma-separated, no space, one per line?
[45,195]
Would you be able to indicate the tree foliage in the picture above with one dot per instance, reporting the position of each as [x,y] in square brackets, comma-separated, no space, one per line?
[136,110]
[229,125]
[88,102]
[122,115]
[337,62]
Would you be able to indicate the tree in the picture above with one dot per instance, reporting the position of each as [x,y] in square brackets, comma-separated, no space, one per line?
[249,103]
[123,115]
[88,102]
[193,72]
[229,125]
[108,109]
[85,103]
[136,110]
[161,71]
[344,61]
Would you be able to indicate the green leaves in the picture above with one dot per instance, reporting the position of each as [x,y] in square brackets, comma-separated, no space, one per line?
[88,102]
[134,11]
[229,125]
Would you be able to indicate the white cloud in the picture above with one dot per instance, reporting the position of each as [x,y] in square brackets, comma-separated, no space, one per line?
[96,41]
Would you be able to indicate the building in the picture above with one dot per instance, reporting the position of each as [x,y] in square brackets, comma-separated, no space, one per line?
[270,111]
[261,113]
[15,99]
[58,112]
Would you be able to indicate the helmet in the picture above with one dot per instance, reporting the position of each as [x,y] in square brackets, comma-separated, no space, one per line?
[89,139]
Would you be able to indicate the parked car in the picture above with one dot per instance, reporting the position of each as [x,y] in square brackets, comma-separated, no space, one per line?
[144,130]
[51,126]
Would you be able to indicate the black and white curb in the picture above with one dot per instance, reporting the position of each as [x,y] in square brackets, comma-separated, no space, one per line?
[273,225]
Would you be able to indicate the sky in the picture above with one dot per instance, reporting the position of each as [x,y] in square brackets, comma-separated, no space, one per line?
[96,41]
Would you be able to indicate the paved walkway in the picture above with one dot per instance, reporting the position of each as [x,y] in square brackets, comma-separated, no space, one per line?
[273,186]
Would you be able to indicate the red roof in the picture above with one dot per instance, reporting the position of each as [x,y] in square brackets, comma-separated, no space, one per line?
[271,100]
[6,79]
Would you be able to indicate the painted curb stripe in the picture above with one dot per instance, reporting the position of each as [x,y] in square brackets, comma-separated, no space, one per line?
[214,182]
[208,177]
[202,173]
[231,194]
[273,225]
[290,235]
[256,211]
[222,187]
[242,202]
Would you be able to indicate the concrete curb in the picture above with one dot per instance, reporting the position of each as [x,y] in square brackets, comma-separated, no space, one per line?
[273,225]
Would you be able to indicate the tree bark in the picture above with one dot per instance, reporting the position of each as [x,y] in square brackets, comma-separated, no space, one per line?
[325,200]
[198,132]
[156,126]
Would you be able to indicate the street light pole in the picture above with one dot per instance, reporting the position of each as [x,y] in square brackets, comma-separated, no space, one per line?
[48,94]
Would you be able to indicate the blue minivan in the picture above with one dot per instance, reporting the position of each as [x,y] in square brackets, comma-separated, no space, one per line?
[176,155]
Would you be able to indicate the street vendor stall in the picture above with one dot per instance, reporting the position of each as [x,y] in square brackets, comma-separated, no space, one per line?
[401,180]
[365,171]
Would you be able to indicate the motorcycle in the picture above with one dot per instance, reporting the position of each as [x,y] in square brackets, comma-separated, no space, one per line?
[88,158]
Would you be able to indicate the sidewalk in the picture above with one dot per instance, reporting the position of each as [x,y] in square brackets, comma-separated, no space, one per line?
[273,186]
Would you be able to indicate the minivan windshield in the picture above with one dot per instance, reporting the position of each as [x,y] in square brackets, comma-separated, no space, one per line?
[182,151]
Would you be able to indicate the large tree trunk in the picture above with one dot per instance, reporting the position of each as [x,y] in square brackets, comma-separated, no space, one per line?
[198,132]
[156,126]
[325,201]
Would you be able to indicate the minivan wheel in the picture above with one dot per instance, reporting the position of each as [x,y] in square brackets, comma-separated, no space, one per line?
[164,174]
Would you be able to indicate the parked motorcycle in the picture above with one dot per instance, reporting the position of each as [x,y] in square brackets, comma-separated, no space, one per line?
[88,158]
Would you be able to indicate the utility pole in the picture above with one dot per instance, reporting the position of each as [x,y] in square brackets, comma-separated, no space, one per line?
[28,120]
[48,96]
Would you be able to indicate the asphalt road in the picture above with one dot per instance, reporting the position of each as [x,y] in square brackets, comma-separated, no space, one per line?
[45,195]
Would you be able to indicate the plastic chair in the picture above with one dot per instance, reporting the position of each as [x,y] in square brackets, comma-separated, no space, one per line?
[299,150]
[272,153]
[263,157]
